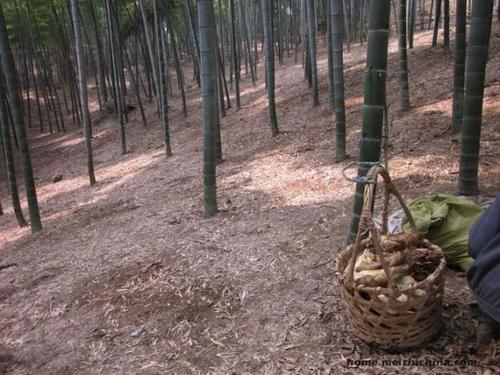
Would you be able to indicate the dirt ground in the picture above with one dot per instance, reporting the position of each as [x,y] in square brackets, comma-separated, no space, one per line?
[127,277]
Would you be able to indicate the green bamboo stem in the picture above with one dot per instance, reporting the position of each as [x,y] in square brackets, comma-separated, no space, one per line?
[209,103]
[10,73]
[269,61]
[403,59]
[459,68]
[338,78]
[477,58]
[374,98]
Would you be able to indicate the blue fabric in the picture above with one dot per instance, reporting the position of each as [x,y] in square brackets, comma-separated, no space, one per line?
[484,247]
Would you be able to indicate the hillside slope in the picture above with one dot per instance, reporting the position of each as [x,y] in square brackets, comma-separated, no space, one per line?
[128,277]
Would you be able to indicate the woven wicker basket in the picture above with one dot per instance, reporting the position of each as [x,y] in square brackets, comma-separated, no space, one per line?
[388,322]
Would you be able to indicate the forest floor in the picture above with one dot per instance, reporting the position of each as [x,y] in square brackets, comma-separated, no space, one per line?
[128,277]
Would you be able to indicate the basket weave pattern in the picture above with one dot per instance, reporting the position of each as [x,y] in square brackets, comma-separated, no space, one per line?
[392,323]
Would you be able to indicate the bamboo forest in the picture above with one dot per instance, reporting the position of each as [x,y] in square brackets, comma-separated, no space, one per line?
[249,186]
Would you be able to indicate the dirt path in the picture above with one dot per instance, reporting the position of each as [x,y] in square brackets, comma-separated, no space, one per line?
[127,277]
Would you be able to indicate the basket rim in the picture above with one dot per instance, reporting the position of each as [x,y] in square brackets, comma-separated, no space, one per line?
[386,290]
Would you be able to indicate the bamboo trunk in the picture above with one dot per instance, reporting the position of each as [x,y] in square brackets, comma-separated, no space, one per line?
[209,104]
[374,98]
[477,58]
[459,67]
[10,73]
[312,51]
[338,78]
[269,57]
[403,59]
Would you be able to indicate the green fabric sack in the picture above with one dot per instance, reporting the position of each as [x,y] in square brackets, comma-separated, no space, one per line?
[446,220]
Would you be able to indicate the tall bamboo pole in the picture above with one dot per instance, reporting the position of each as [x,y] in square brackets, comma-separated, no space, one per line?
[9,160]
[403,59]
[312,50]
[235,55]
[10,73]
[459,68]
[338,78]
[269,61]
[374,98]
[82,82]
[209,103]
[477,58]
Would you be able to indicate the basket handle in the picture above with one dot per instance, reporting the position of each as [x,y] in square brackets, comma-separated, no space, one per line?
[366,223]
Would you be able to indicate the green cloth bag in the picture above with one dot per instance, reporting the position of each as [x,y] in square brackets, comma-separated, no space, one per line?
[446,220]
